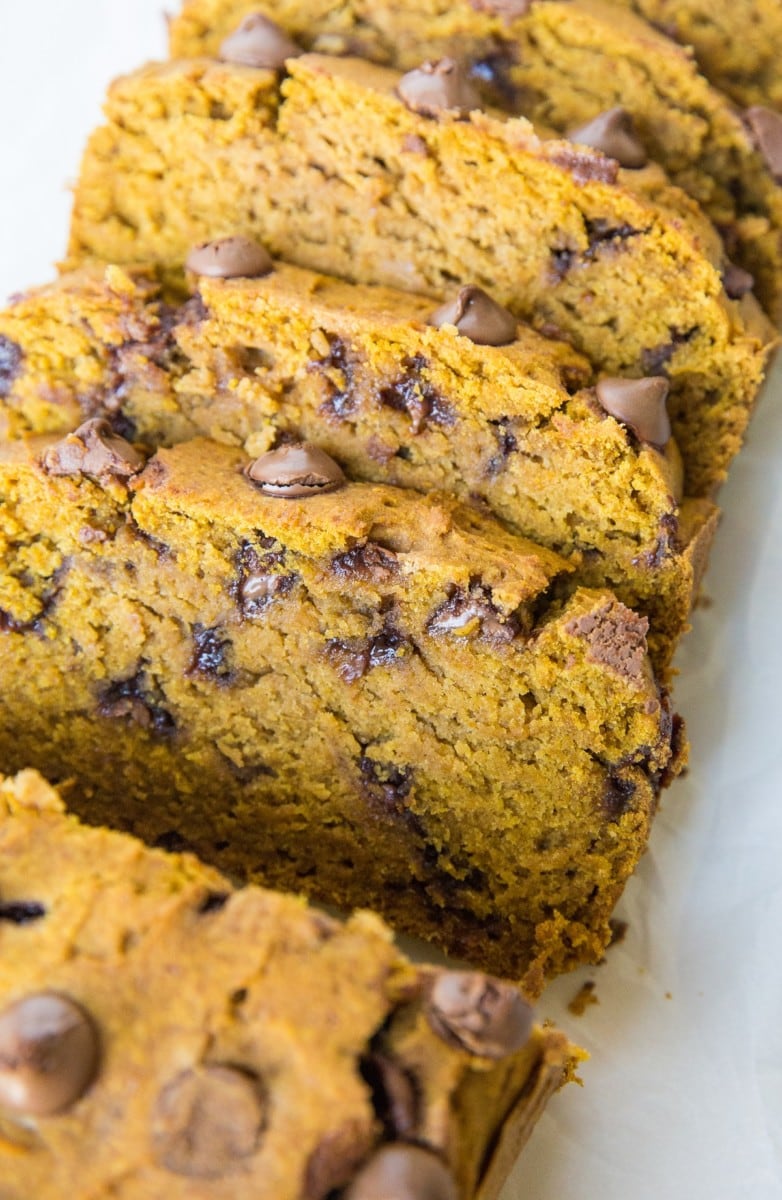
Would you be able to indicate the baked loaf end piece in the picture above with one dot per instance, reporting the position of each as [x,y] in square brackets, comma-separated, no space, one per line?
[209,1042]
[737,44]
[359,371]
[561,63]
[363,693]
[341,176]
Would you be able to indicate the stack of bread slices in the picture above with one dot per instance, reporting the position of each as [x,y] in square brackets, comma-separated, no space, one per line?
[358,477]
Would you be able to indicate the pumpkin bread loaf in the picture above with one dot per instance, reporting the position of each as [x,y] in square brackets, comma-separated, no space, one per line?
[348,689]
[164,1034]
[336,172]
[362,372]
[561,63]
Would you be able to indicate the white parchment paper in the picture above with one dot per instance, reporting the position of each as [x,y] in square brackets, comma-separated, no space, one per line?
[683,1094]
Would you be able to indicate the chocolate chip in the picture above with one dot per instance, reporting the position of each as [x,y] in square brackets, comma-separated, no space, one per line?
[354,657]
[336,1158]
[93,449]
[618,794]
[259,42]
[48,1054]
[207,1121]
[368,561]
[338,371]
[210,656]
[10,362]
[465,613]
[213,902]
[386,785]
[138,703]
[613,133]
[494,75]
[402,1172]
[230,258]
[477,317]
[22,912]
[439,87]
[259,580]
[736,281]
[616,637]
[639,404]
[415,395]
[509,9]
[395,1096]
[766,128]
[507,444]
[294,471]
[480,1014]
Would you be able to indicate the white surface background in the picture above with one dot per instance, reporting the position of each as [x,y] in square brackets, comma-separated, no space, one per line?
[683,1096]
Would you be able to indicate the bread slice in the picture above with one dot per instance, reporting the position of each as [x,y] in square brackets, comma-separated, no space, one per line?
[210,1042]
[359,371]
[738,43]
[363,693]
[336,173]
[560,63]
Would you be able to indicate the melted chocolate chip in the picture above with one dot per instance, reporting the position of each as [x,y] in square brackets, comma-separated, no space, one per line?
[368,561]
[639,404]
[211,654]
[93,449]
[22,912]
[413,394]
[260,582]
[613,133]
[618,794]
[440,87]
[469,613]
[343,400]
[654,359]
[386,785]
[354,657]
[765,125]
[10,361]
[259,42]
[207,1121]
[506,445]
[402,1172]
[48,1054]
[616,637]
[230,258]
[213,902]
[736,281]
[395,1095]
[133,701]
[477,317]
[336,1158]
[295,471]
[584,166]
[494,75]
[482,1015]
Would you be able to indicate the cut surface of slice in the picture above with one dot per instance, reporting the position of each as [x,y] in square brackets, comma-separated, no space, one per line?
[335,173]
[185,1038]
[363,693]
[361,371]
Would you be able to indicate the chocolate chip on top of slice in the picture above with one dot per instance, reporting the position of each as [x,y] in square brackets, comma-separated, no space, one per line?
[639,404]
[48,1054]
[230,258]
[206,1121]
[439,87]
[480,1014]
[295,471]
[613,133]
[403,1172]
[477,317]
[765,125]
[93,449]
[259,42]
[736,281]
